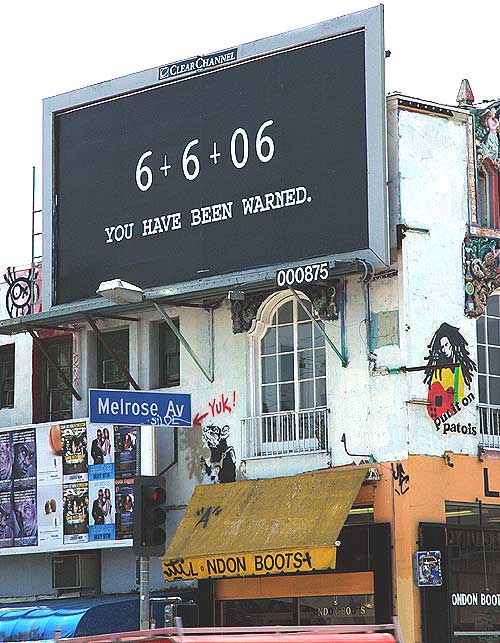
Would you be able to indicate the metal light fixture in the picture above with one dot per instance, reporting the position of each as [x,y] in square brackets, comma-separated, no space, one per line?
[120,292]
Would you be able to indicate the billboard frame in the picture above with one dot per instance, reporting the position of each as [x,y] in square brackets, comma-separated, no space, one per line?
[369,20]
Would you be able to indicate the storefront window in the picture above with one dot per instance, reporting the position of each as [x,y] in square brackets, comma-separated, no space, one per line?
[474,584]
[356,609]
[354,551]
[262,611]
[472,513]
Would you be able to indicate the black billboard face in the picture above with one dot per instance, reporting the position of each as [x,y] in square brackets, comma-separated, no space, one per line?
[257,164]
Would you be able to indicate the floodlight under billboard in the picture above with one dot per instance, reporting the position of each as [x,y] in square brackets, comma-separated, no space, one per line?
[193,174]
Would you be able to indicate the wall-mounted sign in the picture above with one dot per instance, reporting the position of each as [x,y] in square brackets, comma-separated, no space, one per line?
[427,569]
[139,407]
[473,599]
[250,159]
[250,564]
[199,63]
[449,375]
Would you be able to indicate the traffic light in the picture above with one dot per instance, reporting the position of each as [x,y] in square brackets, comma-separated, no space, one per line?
[149,516]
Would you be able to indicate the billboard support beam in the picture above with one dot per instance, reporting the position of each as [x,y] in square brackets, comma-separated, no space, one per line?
[207,372]
[342,358]
[59,370]
[121,365]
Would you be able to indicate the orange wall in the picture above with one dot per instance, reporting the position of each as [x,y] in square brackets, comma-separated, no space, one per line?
[431,482]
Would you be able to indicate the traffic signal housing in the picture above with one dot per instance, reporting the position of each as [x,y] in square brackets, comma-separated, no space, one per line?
[149,516]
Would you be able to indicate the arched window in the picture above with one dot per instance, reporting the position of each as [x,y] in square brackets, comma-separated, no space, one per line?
[289,361]
[292,361]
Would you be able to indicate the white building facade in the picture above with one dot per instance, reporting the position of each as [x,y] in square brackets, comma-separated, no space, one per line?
[378,369]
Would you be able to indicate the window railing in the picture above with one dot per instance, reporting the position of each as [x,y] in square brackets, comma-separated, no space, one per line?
[489,426]
[285,433]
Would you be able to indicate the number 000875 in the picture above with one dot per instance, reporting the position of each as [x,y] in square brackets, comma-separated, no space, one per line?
[302,274]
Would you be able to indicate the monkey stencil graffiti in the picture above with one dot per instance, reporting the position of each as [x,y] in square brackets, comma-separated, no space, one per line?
[448,375]
[221,466]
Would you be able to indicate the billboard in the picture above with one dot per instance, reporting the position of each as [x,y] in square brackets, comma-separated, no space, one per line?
[191,174]
[66,484]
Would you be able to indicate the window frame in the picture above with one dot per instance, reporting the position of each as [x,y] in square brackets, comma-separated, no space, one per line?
[483,367]
[103,355]
[295,323]
[163,329]
[45,393]
[487,195]
[7,358]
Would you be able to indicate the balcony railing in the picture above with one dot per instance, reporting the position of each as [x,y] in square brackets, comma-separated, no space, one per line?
[285,433]
[489,426]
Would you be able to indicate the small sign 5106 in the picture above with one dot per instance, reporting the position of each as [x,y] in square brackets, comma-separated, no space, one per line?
[302,274]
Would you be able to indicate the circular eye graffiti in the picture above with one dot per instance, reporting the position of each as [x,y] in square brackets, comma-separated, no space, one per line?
[19,296]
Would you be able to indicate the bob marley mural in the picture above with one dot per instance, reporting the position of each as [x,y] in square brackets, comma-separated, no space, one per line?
[448,375]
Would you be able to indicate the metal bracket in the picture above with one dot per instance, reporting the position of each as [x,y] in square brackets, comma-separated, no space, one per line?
[342,358]
[343,439]
[207,372]
[121,365]
[59,370]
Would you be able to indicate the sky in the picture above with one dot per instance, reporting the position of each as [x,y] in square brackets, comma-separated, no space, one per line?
[53,46]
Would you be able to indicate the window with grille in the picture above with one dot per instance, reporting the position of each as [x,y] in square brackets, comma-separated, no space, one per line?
[7,376]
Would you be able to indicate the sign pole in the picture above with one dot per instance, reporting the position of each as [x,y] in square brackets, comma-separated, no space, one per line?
[142,408]
[144,623]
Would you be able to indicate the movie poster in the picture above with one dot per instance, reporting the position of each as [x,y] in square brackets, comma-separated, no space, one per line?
[49,493]
[102,510]
[24,515]
[24,465]
[124,509]
[102,452]
[6,520]
[125,451]
[74,442]
[76,512]
[6,460]
[48,454]
[50,514]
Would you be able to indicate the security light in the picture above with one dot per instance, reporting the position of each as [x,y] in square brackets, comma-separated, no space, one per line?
[120,292]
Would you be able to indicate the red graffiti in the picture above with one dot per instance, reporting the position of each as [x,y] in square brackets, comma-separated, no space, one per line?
[217,406]
[198,418]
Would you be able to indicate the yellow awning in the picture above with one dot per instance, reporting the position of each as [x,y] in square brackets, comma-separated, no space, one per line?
[271,526]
